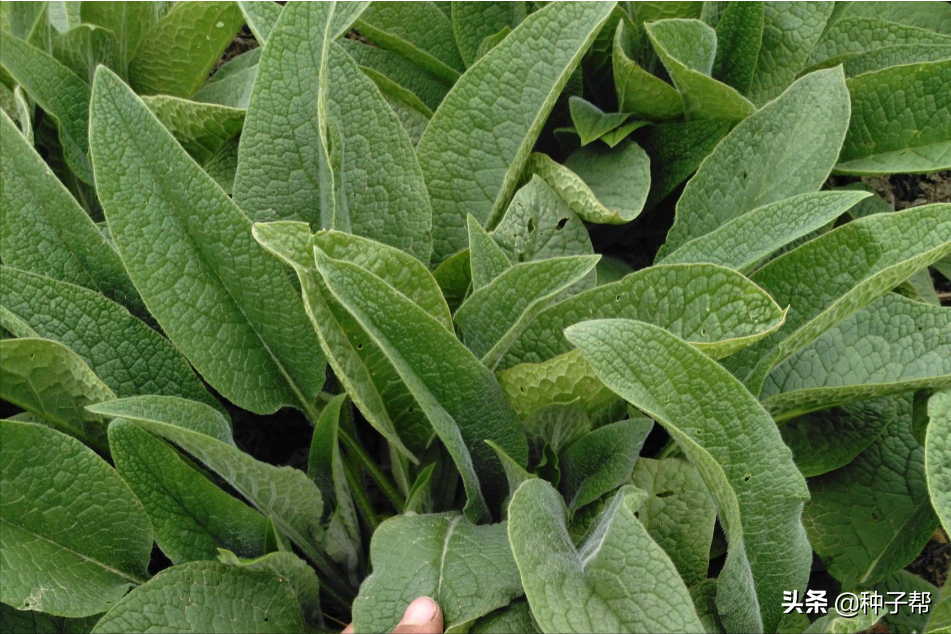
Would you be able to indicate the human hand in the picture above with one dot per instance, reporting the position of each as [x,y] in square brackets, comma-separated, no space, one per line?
[423,616]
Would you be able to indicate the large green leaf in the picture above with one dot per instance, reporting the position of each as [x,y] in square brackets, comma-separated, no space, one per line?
[601,461]
[459,395]
[51,381]
[786,148]
[202,129]
[351,167]
[224,302]
[380,63]
[688,48]
[937,450]
[790,31]
[261,16]
[736,447]
[473,22]
[190,415]
[130,21]
[487,260]
[639,92]
[474,167]
[32,622]
[830,278]
[739,31]
[418,31]
[901,121]
[60,93]
[74,537]
[84,47]
[894,345]
[494,315]
[605,185]
[45,231]
[873,516]
[619,580]
[935,16]
[176,54]
[127,355]
[716,309]
[290,569]
[678,513]
[191,516]
[206,596]
[748,239]
[467,569]
[357,361]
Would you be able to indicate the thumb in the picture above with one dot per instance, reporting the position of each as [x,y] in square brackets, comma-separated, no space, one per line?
[423,616]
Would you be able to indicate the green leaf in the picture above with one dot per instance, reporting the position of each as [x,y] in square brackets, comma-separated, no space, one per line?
[475,168]
[739,31]
[51,381]
[486,257]
[561,425]
[231,85]
[679,513]
[467,569]
[901,118]
[906,618]
[745,241]
[357,361]
[289,568]
[926,15]
[84,47]
[600,184]
[496,314]
[562,379]
[179,51]
[353,167]
[261,17]
[464,406]
[420,32]
[591,122]
[790,31]
[74,537]
[937,449]
[216,290]
[834,623]
[873,516]
[104,334]
[894,345]
[325,466]
[516,618]
[191,516]
[736,447]
[601,461]
[716,309]
[380,63]
[687,48]
[45,231]
[287,495]
[207,596]
[870,44]
[202,129]
[473,22]
[827,440]
[638,92]
[618,580]
[31,622]
[786,148]
[860,261]
[539,225]
[59,92]
[190,415]
[130,21]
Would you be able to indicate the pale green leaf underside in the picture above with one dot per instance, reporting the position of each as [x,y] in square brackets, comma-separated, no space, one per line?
[190,415]
[74,537]
[467,569]
[619,580]
[206,596]
[937,450]
[734,444]
[224,302]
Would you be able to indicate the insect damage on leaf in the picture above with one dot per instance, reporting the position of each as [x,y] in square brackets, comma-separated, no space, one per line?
[571,316]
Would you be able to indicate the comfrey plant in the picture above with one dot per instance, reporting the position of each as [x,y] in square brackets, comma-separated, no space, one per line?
[586,337]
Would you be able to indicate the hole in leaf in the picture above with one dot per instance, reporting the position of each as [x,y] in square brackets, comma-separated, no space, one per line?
[561,223]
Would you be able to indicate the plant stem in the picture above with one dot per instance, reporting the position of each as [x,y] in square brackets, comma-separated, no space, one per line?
[381,479]
[364,506]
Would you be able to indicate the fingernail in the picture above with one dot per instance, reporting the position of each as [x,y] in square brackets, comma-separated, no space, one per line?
[420,612]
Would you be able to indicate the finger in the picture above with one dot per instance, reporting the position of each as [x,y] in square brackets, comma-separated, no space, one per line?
[423,616]
[348,629]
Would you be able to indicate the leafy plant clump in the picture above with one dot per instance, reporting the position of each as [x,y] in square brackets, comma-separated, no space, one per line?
[555,305]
